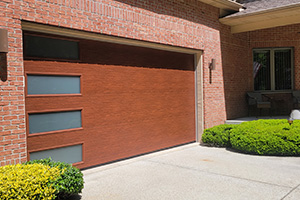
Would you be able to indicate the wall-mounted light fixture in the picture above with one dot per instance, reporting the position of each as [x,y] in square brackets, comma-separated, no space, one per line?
[212,66]
[3,54]
[295,114]
[3,41]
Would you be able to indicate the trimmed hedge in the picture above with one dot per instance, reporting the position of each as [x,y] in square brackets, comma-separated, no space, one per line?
[262,137]
[267,137]
[218,135]
[69,182]
[40,179]
[34,181]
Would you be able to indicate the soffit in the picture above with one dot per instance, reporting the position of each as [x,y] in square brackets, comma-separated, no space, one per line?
[226,6]
[264,19]
[223,4]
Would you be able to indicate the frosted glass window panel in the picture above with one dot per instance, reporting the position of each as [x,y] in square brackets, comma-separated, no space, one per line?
[70,154]
[49,84]
[44,122]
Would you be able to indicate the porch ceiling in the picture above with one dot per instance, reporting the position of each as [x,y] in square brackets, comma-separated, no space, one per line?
[264,19]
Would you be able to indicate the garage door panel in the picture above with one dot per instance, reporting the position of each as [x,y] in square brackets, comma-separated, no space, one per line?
[53,103]
[109,119]
[135,105]
[123,111]
[126,140]
[126,110]
[174,122]
[51,67]
[59,138]
[115,79]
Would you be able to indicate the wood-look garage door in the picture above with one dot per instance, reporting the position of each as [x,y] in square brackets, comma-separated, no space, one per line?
[111,102]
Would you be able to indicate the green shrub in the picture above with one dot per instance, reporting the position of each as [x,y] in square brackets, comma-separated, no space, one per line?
[70,180]
[218,135]
[34,181]
[267,137]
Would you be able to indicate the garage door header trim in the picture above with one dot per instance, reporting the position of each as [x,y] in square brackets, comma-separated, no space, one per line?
[29,26]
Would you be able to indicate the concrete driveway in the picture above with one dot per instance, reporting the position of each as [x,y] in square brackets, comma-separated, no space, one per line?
[195,172]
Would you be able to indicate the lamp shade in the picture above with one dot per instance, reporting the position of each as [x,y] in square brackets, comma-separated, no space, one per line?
[295,114]
[3,41]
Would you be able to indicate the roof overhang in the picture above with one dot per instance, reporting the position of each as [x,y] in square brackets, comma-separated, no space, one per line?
[264,19]
[226,6]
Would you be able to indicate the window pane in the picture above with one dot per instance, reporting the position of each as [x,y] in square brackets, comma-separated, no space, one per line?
[43,47]
[44,122]
[40,84]
[261,70]
[283,69]
[71,154]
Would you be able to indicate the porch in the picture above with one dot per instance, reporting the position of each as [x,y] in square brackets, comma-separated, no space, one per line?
[272,103]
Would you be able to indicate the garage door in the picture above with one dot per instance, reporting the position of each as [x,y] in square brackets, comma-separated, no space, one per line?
[90,102]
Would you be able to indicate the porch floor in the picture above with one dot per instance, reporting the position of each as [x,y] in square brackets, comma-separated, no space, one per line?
[246,119]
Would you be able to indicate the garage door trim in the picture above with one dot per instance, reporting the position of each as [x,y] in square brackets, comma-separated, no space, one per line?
[29,26]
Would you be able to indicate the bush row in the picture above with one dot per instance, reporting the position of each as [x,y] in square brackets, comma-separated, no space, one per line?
[40,179]
[263,137]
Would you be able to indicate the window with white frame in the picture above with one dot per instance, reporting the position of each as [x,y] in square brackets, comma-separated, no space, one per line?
[273,69]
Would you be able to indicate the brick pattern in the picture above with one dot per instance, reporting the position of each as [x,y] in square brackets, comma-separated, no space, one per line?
[187,23]
[284,36]
[237,72]
[12,118]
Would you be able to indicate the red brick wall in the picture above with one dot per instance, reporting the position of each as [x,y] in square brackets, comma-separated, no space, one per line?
[237,72]
[188,23]
[284,36]
[12,122]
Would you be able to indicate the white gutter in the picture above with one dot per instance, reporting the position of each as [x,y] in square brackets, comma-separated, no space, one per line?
[295,5]
[224,4]
[280,16]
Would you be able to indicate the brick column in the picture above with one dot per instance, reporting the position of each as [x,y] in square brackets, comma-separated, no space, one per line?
[12,110]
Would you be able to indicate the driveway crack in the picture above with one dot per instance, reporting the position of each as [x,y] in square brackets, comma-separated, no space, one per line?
[292,190]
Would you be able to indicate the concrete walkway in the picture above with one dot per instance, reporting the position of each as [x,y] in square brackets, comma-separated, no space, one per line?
[247,119]
[195,172]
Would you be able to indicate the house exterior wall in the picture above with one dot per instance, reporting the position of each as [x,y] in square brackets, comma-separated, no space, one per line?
[188,23]
[283,36]
[237,72]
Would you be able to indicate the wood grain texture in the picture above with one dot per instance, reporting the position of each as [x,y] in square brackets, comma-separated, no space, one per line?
[126,110]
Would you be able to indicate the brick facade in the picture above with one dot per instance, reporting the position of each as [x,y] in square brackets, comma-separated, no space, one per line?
[188,23]
[237,72]
[284,36]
